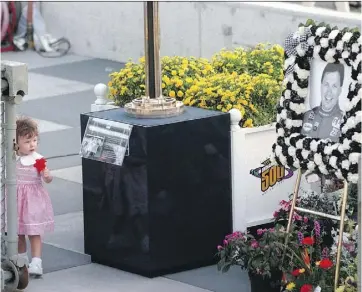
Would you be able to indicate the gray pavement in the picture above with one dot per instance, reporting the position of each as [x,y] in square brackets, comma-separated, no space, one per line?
[60,89]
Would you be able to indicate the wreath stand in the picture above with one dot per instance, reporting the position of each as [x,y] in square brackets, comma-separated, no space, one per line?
[340,218]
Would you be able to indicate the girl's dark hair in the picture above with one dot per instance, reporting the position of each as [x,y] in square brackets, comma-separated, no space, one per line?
[26,127]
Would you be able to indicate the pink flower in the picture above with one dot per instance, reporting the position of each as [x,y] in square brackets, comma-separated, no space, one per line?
[225,242]
[285,205]
[219,247]
[234,235]
[297,217]
[254,244]
[317,229]
[305,219]
[325,252]
[259,231]
[275,214]
[349,246]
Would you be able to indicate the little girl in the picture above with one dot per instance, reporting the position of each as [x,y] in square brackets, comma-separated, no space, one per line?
[35,211]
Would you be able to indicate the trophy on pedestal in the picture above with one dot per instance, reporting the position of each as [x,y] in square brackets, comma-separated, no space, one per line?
[154,104]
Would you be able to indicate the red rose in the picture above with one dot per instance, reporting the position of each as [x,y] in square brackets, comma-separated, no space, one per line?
[306,288]
[325,263]
[295,273]
[40,164]
[308,240]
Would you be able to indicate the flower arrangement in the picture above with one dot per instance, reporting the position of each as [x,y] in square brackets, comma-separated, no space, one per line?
[249,80]
[311,268]
[309,258]
[259,256]
[318,251]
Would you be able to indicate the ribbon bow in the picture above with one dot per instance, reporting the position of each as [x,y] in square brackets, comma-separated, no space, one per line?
[292,41]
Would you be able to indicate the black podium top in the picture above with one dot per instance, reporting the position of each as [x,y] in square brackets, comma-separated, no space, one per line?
[119,115]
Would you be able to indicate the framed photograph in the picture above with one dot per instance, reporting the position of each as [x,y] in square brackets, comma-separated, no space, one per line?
[319,113]
[326,101]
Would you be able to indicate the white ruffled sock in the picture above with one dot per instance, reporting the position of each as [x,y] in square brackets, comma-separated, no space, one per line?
[24,256]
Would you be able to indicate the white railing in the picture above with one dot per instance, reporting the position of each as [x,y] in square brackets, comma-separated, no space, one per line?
[254,199]
[2,172]
[102,102]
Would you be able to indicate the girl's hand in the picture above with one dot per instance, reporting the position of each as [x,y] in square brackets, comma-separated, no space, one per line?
[46,175]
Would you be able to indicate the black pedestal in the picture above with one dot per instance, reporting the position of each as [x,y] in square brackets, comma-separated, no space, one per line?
[169,205]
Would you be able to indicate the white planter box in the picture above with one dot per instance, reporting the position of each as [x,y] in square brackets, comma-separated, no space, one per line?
[256,198]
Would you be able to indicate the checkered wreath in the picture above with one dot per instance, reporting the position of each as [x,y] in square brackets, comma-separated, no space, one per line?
[333,160]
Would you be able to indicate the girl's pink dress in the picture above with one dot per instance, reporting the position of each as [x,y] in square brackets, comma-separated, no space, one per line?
[35,211]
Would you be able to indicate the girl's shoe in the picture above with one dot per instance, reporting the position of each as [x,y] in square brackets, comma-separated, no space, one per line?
[35,269]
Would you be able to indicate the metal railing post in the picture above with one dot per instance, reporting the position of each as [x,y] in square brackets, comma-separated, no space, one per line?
[14,85]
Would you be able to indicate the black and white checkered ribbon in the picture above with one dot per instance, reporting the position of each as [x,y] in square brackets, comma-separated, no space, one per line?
[291,43]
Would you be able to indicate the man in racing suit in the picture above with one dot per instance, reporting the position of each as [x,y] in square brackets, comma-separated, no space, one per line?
[324,121]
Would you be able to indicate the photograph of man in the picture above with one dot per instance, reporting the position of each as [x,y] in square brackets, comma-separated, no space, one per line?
[324,121]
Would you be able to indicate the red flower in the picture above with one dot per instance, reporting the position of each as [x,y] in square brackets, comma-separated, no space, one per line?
[326,264]
[308,240]
[40,164]
[295,273]
[306,288]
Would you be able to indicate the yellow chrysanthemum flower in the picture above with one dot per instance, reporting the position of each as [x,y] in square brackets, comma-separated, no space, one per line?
[189,80]
[248,123]
[290,286]
[179,83]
